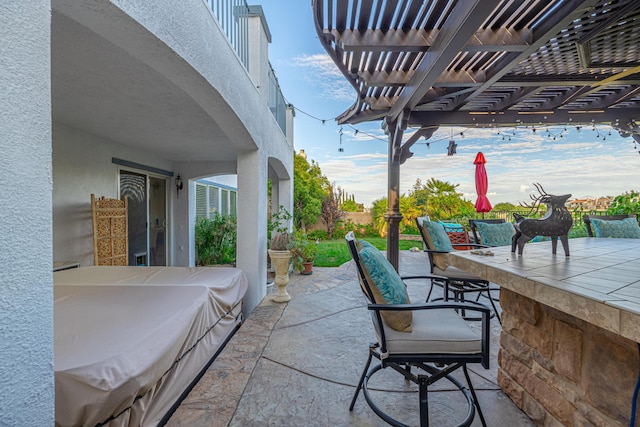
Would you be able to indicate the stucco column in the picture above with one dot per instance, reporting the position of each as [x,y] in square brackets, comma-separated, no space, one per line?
[26,290]
[251,247]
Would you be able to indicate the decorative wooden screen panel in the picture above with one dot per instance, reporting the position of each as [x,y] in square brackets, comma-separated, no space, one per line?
[110,231]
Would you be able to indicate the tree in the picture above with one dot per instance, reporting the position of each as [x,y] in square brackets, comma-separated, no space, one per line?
[351,206]
[505,206]
[331,211]
[627,203]
[308,191]
[380,207]
[442,199]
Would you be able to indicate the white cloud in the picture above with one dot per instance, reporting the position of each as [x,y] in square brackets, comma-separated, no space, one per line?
[320,71]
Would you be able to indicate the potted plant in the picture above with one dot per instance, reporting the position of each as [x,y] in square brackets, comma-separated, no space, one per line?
[280,242]
[303,253]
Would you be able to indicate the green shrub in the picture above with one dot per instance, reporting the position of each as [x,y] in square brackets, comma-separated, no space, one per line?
[318,235]
[216,240]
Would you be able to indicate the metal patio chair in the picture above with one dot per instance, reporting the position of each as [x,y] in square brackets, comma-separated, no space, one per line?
[490,239]
[459,283]
[437,341]
[588,223]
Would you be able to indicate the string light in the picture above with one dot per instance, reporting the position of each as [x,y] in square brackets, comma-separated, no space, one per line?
[629,129]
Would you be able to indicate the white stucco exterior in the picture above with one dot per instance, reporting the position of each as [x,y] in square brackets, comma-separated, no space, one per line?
[151,83]
[26,294]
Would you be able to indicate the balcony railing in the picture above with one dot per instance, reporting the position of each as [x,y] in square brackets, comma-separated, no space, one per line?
[233,17]
[277,104]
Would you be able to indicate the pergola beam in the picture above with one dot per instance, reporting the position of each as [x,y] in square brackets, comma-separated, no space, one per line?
[419,40]
[461,24]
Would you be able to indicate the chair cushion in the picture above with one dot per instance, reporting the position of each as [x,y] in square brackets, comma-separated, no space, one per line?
[386,286]
[434,332]
[437,240]
[451,226]
[438,236]
[455,274]
[495,234]
[624,228]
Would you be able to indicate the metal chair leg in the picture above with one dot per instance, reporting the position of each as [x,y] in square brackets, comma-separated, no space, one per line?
[475,397]
[424,399]
[359,387]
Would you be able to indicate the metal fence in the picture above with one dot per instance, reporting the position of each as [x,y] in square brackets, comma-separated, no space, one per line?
[508,215]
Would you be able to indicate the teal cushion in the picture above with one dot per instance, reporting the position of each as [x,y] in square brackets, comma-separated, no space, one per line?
[624,228]
[383,275]
[452,226]
[438,236]
[495,234]
[386,286]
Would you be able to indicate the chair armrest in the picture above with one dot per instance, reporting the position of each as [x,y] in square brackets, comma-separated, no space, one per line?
[467,305]
[485,329]
[429,276]
[475,245]
[433,251]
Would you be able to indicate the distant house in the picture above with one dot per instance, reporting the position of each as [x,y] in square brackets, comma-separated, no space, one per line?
[590,204]
[120,98]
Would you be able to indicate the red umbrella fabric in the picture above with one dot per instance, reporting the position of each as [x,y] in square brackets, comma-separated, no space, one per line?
[482,184]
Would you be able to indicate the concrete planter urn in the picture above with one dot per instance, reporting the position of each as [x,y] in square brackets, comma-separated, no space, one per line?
[281,261]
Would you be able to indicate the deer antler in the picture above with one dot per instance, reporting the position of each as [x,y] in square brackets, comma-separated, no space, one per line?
[535,206]
[540,189]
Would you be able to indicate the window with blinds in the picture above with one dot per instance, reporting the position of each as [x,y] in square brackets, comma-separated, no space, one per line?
[201,201]
[211,199]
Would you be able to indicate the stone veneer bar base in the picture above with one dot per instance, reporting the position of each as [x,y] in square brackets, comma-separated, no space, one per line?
[561,370]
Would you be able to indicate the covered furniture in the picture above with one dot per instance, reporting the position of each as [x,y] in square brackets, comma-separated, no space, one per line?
[431,337]
[459,283]
[110,231]
[620,226]
[129,341]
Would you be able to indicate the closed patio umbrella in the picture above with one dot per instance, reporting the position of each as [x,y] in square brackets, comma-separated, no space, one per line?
[482,184]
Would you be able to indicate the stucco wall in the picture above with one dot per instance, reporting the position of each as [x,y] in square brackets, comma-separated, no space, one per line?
[82,164]
[26,291]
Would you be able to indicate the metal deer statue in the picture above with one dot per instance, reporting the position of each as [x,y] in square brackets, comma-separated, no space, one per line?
[556,222]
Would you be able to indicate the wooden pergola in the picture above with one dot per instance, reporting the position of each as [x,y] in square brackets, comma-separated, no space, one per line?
[488,63]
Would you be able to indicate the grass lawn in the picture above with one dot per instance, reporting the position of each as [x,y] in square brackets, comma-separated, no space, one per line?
[333,253]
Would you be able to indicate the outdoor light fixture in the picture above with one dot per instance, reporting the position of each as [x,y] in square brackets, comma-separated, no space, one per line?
[451,149]
[179,185]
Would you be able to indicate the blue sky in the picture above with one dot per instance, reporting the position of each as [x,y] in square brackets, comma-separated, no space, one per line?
[587,163]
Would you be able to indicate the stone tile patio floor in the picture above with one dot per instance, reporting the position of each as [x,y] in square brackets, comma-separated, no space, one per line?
[297,364]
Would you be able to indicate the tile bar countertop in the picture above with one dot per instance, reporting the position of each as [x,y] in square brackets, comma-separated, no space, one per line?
[599,282]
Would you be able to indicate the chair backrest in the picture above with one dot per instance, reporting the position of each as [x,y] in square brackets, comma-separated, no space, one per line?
[458,236]
[437,245]
[587,220]
[474,227]
[364,284]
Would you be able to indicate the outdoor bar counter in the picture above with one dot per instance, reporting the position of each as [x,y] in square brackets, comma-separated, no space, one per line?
[570,328]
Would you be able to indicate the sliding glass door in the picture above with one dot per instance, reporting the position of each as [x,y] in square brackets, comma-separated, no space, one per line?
[147,217]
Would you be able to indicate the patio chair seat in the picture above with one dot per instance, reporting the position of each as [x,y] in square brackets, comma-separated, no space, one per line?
[454,273]
[433,332]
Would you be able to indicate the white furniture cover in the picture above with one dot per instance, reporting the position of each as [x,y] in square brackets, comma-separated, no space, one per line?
[130,340]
